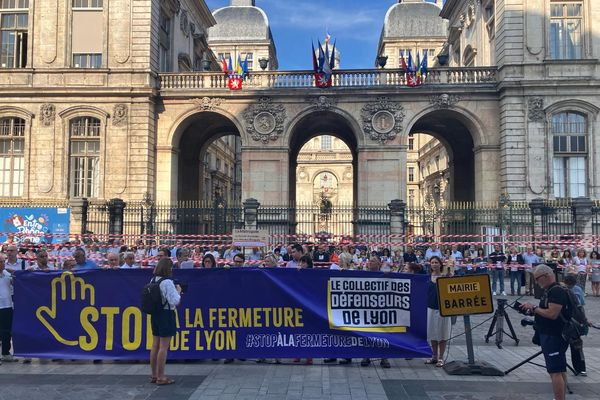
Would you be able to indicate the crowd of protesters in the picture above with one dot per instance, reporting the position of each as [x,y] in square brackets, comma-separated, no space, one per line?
[513,262]
[516,263]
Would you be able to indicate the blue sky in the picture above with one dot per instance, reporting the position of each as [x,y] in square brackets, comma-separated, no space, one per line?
[356,24]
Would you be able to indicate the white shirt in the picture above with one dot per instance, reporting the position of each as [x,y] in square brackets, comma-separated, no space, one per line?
[127,266]
[292,264]
[168,292]
[6,289]
[16,266]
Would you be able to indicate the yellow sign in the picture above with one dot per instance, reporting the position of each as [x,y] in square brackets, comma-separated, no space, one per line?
[250,237]
[465,295]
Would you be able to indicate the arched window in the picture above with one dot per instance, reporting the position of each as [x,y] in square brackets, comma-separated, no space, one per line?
[84,135]
[12,156]
[569,140]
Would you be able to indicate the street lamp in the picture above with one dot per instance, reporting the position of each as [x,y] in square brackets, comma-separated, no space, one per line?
[263,62]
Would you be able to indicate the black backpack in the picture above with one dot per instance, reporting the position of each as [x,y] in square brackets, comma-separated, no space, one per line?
[577,325]
[151,297]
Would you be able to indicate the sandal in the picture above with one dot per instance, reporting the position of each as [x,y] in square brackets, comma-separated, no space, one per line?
[153,379]
[431,361]
[162,382]
[440,363]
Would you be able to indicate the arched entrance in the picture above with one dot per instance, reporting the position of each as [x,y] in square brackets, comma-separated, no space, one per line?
[209,166]
[441,162]
[456,174]
[207,175]
[322,174]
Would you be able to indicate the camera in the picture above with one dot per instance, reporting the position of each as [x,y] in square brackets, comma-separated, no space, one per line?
[517,307]
[527,322]
[536,336]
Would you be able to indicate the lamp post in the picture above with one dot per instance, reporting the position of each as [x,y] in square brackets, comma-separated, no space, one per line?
[263,62]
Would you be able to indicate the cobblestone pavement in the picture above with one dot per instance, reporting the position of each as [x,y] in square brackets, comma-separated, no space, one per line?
[407,379]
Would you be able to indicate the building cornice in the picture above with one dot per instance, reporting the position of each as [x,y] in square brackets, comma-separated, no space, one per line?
[449,8]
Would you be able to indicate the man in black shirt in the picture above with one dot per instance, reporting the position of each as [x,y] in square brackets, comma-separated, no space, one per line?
[409,255]
[549,325]
[321,256]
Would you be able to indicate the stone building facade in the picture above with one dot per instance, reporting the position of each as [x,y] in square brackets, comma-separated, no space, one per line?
[516,110]
[324,171]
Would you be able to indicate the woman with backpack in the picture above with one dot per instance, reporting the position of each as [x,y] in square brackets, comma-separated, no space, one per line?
[163,321]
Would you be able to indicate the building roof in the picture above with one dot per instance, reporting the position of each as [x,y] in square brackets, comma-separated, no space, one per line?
[240,23]
[413,19]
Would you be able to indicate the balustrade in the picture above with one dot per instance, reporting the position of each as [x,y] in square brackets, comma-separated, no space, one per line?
[340,78]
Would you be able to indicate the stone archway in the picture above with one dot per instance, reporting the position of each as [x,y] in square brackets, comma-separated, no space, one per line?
[460,137]
[194,136]
[315,124]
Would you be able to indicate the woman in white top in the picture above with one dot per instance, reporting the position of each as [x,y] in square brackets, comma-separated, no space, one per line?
[163,322]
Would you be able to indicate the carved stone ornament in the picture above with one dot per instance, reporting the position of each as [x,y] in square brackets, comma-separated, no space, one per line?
[535,109]
[120,112]
[207,103]
[444,100]
[47,112]
[264,120]
[382,120]
[322,102]
[184,23]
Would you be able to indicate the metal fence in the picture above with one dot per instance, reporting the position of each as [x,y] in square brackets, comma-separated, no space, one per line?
[337,221]
[456,222]
[147,218]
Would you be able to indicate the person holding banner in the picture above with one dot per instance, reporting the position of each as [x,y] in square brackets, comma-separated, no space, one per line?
[163,323]
[438,327]
[374,265]
[6,309]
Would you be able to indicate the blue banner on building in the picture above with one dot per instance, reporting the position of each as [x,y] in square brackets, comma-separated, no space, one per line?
[36,224]
[225,313]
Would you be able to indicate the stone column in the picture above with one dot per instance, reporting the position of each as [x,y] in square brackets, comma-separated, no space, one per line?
[397,219]
[78,220]
[251,213]
[115,213]
[582,214]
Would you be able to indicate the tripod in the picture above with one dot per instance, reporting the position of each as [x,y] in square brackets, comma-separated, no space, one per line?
[528,360]
[499,316]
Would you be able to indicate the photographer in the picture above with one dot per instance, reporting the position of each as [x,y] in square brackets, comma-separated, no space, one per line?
[549,326]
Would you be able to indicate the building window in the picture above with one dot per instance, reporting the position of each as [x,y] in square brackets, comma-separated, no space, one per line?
[411,174]
[411,198]
[164,42]
[14,23]
[566,20]
[218,166]
[84,134]
[250,59]
[87,3]
[569,140]
[325,142]
[411,143]
[12,156]
[87,60]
